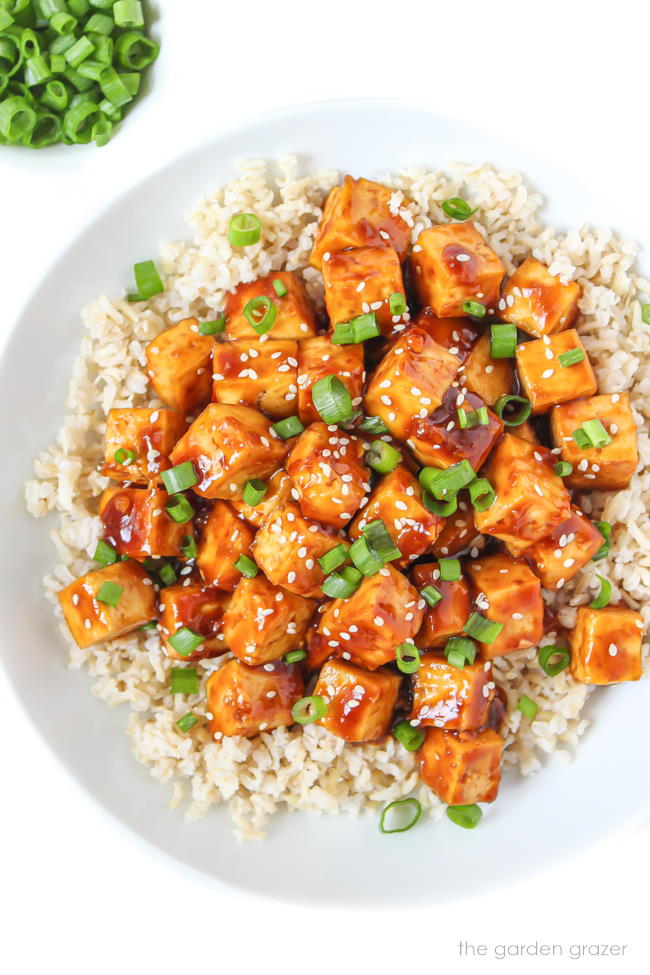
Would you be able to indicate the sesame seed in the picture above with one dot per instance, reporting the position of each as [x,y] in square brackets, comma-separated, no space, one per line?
[547,373]
[612,650]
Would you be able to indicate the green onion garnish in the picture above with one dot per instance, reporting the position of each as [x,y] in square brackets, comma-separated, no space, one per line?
[604,596]
[279,287]
[358,329]
[645,314]
[443,483]
[378,538]
[334,558]
[482,494]
[431,595]
[442,508]
[553,659]
[179,478]
[527,706]
[449,570]
[244,229]
[605,530]
[186,641]
[408,736]
[457,209]
[215,327]
[343,584]
[469,419]
[481,629]
[105,554]
[260,313]
[397,303]
[466,816]
[128,13]
[187,721]
[109,593]
[151,625]
[503,339]
[591,434]
[332,400]
[254,492]
[289,427]
[343,334]
[147,281]
[475,309]
[514,419]
[365,559]
[167,575]
[407,657]
[309,709]
[189,547]
[295,656]
[374,425]
[179,509]
[184,680]
[459,650]
[571,358]
[563,468]
[402,813]
[246,566]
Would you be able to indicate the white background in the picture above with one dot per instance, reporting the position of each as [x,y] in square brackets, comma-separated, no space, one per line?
[572,77]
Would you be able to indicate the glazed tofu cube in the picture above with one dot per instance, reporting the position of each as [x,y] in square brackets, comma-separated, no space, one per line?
[179,366]
[456,698]
[448,617]
[545,381]
[487,377]
[462,768]
[247,700]
[410,381]
[199,608]
[360,705]
[318,358]
[360,213]
[362,280]
[367,628]
[263,622]
[397,500]
[229,445]
[526,431]
[606,645]
[459,533]
[258,374]
[458,335]
[509,593]
[569,547]
[537,302]
[452,264]
[607,468]
[287,549]
[91,620]
[224,537]
[148,434]
[439,440]
[531,500]
[278,492]
[135,523]
[329,480]
[294,318]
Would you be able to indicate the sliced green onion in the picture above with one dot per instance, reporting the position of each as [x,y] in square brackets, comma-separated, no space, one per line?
[147,281]
[63,23]
[407,657]
[131,81]
[431,595]
[475,309]
[581,438]
[378,538]
[246,566]
[309,709]
[332,400]
[184,680]
[179,478]
[128,13]
[58,65]
[59,45]
[260,313]
[482,494]
[189,548]
[105,554]
[151,625]
[591,434]
[37,70]
[244,229]
[503,340]
[80,50]
[167,575]
[456,659]
[571,358]
[109,593]
[443,483]
[411,738]
[135,51]
[100,24]
[179,509]
[457,208]
[469,419]
[81,7]
[334,558]
[397,303]
[481,629]
[365,559]
[374,425]
[442,508]
[289,427]
[459,650]
[185,641]
[254,492]
[186,722]
[101,132]
[17,118]
[215,327]
[604,596]
[449,570]
[365,327]
[29,42]
[645,314]
[466,816]
[279,287]
[553,659]
[114,87]
[563,468]
[516,419]
[527,706]
[46,131]
[91,69]
[343,584]
[124,457]
[605,530]
[295,656]
[343,334]
[382,457]
[6,20]
[55,95]
[402,813]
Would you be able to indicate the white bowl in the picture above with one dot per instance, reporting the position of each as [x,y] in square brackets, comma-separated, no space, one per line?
[320,859]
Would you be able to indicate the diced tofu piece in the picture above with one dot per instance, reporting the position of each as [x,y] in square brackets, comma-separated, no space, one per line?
[294,319]
[263,622]
[545,381]
[459,534]
[448,617]
[224,537]
[397,500]
[229,445]
[90,620]
[368,627]
[608,468]
[458,335]
[537,302]
[179,366]
[328,488]
[317,358]
[362,280]
[200,609]
[135,523]
[511,594]
[258,374]
[410,381]
[526,431]
[452,264]
[360,705]
[287,549]
[279,491]
[438,440]
[606,645]
[531,500]
[463,768]
[569,547]
[456,698]
[358,213]
[487,377]
[247,700]
[149,434]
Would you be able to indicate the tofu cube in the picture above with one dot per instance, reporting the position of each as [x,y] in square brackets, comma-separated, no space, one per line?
[452,264]
[224,537]
[606,645]
[228,446]
[487,377]
[438,440]
[90,620]
[287,549]
[360,705]
[247,700]
[149,434]
[295,318]
[462,768]
[329,480]
[410,381]
[362,280]
[608,468]
[367,628]
[199,608]
[135,523]
[537,302]
[258,374]
[358,213]
[318,358]
[569,547]
[397,500]
[545,381]
[458,335]
[263,622]
[278,492]
[509,593]
[456,698]
[459,534]
[448,617]
[179,366]
[531,500]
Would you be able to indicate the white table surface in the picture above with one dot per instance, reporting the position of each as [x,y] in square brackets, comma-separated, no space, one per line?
[78,896]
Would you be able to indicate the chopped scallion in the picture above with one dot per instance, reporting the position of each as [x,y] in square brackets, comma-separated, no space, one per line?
[407,657]
[260,314]
[246,566]
[109,593]
[332,400]
[479,628]
[309,709]
[553,659]
[184,680]
[289,427]
[604,596]
[185,641]
[527,706]
[244,229]
[571,358]
[466,816]
[408,736]
[449,570]
[457,208]
[179,478]
[400,815]
[254,492]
